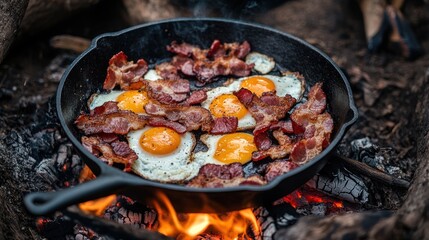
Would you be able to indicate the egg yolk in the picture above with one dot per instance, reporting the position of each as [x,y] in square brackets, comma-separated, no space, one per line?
[227,105]
[160,140]
[258,85]
[235,147]
[133,100]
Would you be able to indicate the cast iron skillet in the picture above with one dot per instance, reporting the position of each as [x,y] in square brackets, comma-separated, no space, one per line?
[87,73]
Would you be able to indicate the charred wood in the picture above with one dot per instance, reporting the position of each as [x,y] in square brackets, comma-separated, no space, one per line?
[340,183]
[113,229]
[372,173]
[11,14]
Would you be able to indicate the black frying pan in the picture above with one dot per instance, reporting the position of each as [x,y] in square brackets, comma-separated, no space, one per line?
[87,73]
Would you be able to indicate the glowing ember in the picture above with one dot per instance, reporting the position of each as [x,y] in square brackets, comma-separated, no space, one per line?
[232,225]
[302,197]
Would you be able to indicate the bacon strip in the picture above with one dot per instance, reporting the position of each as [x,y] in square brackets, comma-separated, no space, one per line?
[193,118]
[196,97]
[111,152]
[266,110]
[126,74]
[315,104]
[312,126]
[168,91]
[282,150]
[216,176]
[106,120]
[317,136]
[277,168]
[162,122]
[224,125]
[219,60]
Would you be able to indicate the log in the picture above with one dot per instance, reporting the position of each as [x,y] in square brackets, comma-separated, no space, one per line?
[139,11]
[411,221]
[42,14]
[21,18]
[11,14]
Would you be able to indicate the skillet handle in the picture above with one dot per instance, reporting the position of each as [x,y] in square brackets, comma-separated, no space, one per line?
[44,203]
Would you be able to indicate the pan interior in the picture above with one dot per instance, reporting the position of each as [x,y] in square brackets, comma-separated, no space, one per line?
[86,75]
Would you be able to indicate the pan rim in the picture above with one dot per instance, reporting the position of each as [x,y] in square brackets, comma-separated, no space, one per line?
[351,117]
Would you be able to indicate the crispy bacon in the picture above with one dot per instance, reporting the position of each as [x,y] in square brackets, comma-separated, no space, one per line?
[219,60]
[193,118]
[111,152]
[315,126]
[224,125]
[206,71]
[196,97]
[266,110]
[106,108]
[162,122]
[282,150]
[184,64]
[315,104]
[277,168]
[216,176]
[168,91]
[126,74]
[317,136]
[285,126]
[309,122]
[168,71]
[105,120]
[183,49]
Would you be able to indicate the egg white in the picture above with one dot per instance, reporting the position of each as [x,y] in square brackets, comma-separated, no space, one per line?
[99,99]
[263,63]
[176,166]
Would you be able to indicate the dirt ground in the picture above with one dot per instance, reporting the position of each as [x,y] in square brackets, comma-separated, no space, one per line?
[385,85]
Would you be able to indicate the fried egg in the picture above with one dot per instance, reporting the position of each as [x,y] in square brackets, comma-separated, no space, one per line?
[221,101]
[226,149]
[262,63]
[132,100]
[163,154]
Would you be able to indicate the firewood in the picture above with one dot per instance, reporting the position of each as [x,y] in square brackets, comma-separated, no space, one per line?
[372,173]
[139,11]
[41,14]
[116,230]
[11,14]
[31,16]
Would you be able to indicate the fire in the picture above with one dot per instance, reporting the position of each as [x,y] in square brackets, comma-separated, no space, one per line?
[232,225]
[97,206]
[303,196]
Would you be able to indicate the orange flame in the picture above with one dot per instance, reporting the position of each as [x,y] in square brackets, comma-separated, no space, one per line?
[232,225]
[97,206]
